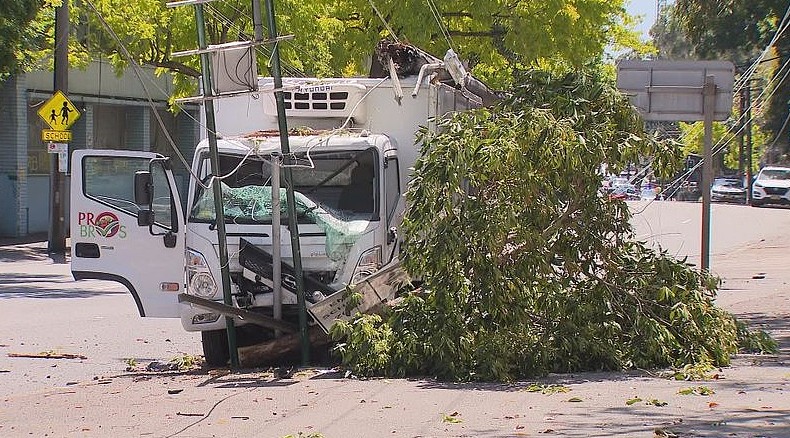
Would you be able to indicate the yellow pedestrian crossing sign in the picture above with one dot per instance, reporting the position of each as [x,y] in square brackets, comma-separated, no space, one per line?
[58,112]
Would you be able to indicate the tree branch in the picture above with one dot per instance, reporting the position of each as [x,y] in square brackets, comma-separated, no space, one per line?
[175,67]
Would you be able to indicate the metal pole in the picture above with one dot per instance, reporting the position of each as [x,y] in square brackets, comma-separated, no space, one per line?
[742,124]
[257,26]
[709,106]
[748,142]
[216,185]
[289,188]
[57,239]
[277,290]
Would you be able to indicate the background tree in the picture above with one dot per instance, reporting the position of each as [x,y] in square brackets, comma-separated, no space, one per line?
[16,33]
[738,31]
[337,37]
[693,138]
[669,36]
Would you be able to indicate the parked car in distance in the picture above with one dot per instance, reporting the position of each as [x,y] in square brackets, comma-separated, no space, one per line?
[728,189]
[626,192]
[772,186]
[682,191]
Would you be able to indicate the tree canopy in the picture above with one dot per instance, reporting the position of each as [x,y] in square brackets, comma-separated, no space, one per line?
[337,38]
[16,33]
[738,31]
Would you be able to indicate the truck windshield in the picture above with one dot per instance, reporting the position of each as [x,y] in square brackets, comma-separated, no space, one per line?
[328,187]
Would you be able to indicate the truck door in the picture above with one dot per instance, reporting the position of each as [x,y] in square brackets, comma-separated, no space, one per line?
[107,243]
[393,206]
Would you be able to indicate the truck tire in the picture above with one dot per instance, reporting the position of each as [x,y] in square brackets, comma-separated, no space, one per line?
[215,348]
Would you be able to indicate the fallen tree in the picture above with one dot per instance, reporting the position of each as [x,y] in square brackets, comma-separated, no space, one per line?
[526,269]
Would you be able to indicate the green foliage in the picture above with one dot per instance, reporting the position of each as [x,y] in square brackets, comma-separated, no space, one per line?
[527,269]
[701,370]
[547,389]
[649,402]
[131,364]
[693,136]
[451,418]
[696,390]
[337,38]
[185,362]
[738,31]
[366,346]
[656,402]
[15,33]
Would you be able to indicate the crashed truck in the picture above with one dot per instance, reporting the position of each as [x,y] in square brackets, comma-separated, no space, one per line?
[353,145]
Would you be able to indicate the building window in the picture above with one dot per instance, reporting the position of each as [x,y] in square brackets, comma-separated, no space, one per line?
[37,155]
[109,126]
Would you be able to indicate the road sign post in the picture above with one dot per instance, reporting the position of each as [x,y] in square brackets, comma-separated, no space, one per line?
[709,97]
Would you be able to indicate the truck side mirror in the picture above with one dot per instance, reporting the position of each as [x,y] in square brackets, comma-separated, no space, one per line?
[143,186]
[145,218]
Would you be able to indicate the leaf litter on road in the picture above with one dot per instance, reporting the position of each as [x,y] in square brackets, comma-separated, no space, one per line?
[547,389]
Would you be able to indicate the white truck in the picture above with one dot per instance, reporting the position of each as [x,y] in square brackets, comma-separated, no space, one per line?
[349,185]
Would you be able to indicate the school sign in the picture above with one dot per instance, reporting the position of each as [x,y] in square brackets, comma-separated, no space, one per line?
[59,113]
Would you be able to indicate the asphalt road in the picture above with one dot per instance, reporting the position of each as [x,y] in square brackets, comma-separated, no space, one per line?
[42,309]
[676,227]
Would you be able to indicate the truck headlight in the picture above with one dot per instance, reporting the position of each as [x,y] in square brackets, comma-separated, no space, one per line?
[200,282]
[369,262]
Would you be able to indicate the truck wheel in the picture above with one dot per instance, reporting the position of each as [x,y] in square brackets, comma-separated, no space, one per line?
[215,348]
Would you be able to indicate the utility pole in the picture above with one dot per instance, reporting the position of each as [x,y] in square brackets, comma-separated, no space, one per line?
[216,185]
[289,187]
[742,127]
[748,142]
[56,236]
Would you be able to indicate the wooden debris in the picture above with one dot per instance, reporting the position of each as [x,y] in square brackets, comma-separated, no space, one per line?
[255,355]
[48,355]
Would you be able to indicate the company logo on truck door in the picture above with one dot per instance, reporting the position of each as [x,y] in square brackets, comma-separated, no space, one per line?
[104,224]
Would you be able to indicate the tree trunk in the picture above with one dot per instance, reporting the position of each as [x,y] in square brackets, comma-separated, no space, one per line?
[270,352]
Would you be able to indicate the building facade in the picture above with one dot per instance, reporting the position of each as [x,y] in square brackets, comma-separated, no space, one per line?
[116,112]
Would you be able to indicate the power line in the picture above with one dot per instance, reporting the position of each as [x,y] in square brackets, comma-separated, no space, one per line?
[386,25]
[438,17]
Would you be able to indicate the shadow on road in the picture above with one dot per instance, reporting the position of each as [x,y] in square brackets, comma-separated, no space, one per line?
[636,420]
[15,285]
[36,251]
[777,325]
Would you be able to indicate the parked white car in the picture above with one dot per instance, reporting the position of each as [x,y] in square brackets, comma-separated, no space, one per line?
[772,186]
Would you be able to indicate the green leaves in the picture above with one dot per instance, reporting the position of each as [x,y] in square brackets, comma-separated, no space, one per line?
[547,389]
[16,34]
[696,390]
[336,38]
[451,418]
[649,402]
[526,270]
